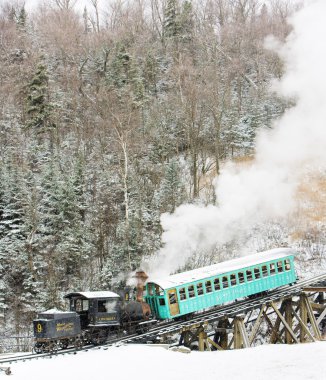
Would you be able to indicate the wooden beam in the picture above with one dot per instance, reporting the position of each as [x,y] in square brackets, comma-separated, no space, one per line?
[257,324]
[311,316]
[314,289]
[289,321]
[202,341]
[304,326]
[317,306]
[214,344]
[286,325]
[321,317]
[240,334]
[275,336]
[304,318]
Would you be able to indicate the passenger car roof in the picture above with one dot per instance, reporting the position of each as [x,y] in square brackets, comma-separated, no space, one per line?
[93,295]
[220,268]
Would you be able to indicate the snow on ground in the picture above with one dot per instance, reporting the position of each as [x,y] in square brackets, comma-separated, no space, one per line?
[139,362]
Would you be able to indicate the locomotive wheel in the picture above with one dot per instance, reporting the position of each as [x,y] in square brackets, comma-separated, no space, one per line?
[63,344]
[38,348]
[53,347]
[78,343]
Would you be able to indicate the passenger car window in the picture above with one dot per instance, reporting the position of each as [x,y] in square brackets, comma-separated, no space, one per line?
[264,270]
[208,286]
[241,277]
[191,291]
[287,264]
[182,294]
[225,282]
[272,268]
[200,290]
[233,280]
[279,266]
[257,273]
[162,301]
[249,275]
[217,285]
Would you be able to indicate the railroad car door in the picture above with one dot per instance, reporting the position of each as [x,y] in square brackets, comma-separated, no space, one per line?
[173,302]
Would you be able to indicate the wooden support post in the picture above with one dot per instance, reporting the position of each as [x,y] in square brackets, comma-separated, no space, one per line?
[221,333]
[237,336]
[202,336]
[240,335]
[224,336]
[286,325]
[304,318]
[289,320]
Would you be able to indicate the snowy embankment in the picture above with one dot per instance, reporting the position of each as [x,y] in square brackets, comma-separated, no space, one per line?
[303,361]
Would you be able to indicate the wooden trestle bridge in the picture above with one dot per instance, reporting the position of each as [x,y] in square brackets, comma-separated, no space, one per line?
[292,314]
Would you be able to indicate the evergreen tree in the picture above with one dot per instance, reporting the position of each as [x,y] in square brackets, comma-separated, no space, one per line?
[39,107]
[22,19]
[171,24]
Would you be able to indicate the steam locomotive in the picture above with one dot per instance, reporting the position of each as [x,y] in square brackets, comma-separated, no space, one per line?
[92,318]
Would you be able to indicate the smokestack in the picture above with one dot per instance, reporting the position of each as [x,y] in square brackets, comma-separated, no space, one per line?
[141,278]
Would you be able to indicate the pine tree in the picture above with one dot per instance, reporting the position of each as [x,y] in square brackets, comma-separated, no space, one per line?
[22,19]
[39,107]
[171,26]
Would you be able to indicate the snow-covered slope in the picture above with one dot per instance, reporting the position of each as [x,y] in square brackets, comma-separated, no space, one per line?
[137,362]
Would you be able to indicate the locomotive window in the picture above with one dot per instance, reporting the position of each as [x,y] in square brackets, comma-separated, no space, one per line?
[249,275]
[279,266]
[265,272]
[172,298]
[217,285]
[80,305]
[233,280]
[257,273]
[208,286]
[200,290]
[287,264]
[182,294]
[191,291]
[241,277]
[110,306]
[101,307]
[225,282]
[272,268]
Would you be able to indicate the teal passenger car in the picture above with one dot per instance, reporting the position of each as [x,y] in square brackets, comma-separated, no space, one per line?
[198,289]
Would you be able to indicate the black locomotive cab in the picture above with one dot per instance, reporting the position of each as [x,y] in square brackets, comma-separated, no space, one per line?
[96,308]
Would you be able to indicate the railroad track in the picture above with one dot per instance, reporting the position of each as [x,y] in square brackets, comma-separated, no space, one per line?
[162,329]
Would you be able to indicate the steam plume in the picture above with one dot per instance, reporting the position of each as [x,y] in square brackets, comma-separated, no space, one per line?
[295,145]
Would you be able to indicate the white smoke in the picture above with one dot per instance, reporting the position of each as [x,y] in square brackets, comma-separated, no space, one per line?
[267,188]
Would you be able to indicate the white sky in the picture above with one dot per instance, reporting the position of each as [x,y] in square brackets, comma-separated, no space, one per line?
[30,4]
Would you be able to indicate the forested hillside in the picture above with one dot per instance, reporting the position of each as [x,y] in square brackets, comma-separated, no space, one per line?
[110,118]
